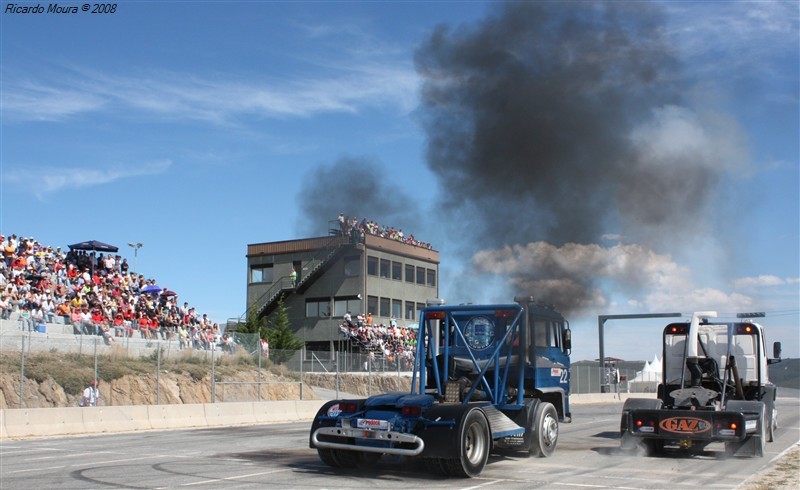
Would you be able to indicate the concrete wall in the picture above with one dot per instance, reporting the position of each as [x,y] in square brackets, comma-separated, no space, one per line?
[41,422]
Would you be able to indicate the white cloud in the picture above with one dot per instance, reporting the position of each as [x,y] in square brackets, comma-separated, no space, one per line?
[53,179]
[349,88]
[591,275]
[40,102]
[758,281]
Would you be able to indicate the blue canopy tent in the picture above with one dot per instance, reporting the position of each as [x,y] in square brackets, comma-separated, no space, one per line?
[94,246]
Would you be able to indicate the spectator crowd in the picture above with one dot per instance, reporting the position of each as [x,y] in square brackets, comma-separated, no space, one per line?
[357,230]
[395,344]
[97,295]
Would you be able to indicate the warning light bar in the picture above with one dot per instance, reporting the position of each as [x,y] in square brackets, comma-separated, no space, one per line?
[754,314]
[435,315]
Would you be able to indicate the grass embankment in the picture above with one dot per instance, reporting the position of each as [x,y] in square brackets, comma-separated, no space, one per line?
[74,371]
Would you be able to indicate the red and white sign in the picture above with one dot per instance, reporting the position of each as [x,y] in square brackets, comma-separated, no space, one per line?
[372,424]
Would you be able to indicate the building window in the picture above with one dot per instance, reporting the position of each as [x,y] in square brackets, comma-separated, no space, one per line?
[385,311]
[342,305]
[431,278]
[372,305]
[397,271]
[318,308]
[410,273]
[410,310]
[261,273]
[420,306]
[421,276]
[397,308]
[385,268]
[352,266]
[372,266]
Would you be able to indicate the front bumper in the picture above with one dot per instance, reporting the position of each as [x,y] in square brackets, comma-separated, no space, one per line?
[388,438]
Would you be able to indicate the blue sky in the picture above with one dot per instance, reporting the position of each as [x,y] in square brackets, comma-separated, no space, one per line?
[199,127]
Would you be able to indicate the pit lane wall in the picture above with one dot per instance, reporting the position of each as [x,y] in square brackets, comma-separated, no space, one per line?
[44,422]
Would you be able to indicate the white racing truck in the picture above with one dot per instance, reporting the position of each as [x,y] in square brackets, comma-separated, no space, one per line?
[715,388]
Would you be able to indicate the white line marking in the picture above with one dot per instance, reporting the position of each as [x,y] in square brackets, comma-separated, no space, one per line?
[592,486]
[34,469]
[485,484]
[216,480]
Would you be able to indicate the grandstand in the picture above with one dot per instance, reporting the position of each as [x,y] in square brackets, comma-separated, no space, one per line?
[75,298]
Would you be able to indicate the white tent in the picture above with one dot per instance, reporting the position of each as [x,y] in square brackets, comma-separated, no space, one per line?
[651,373]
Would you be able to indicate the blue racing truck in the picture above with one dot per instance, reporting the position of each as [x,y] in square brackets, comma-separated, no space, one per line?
[486,378]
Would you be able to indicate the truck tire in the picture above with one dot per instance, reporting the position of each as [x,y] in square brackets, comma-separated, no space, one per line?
[474,446]
[367,460]
[545,433]
[326,455]
[773,425]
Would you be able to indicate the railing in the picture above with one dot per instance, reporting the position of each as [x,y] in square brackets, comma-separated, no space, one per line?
[286,285]
[315,358]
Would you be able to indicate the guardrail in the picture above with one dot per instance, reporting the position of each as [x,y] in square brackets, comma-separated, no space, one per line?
[46,422]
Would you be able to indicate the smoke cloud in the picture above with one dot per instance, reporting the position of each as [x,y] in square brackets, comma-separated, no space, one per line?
[359,188]
[557,122]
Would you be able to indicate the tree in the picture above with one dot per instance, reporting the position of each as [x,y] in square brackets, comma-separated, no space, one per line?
[250,332]
[278,332]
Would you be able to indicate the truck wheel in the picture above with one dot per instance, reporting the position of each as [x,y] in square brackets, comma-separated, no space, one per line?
[545,434]
[346,459]
[437,466]
[326,455]
[367,460]
[773,424]
[473,447]
[654,447]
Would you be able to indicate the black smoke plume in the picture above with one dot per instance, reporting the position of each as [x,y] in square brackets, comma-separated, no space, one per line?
[532,117]
[358,187]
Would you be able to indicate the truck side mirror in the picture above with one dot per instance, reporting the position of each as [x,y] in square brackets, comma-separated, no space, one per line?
[776,350]
[567,339]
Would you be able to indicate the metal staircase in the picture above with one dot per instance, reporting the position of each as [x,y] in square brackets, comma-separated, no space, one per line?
[267,302]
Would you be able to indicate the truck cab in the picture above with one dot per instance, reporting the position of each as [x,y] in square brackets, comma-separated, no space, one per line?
[715,388]
[486,378]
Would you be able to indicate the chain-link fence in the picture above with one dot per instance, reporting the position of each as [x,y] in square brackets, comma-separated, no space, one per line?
[43,369]
[239,367]
[594,379]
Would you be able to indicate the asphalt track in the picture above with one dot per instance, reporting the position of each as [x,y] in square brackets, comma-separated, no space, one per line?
[278,456]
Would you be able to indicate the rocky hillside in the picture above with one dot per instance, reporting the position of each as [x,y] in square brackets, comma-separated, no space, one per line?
[142,390]
[182,388]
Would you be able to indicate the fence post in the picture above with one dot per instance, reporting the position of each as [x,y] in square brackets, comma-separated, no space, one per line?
[158,372]
[302,358]
[259,366]
[95,357]
[337,377]
[22,374]
[213,379]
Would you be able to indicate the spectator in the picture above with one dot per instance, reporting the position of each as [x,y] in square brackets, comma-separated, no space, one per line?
[5,307]
[26,318]
[91,395]
[265,348]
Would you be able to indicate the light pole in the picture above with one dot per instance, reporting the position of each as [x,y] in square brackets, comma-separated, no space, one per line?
[136,247]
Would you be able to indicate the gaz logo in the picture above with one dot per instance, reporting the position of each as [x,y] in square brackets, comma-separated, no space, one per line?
[684,425]
[334,411]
